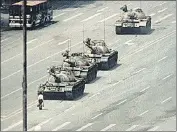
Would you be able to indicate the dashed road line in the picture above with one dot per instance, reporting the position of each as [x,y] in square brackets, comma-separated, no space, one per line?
[162,3]
[108,127]
[63,42]
[102,9]
[39,61]
[139,71]
[122,102]
[59,15]
[94,95]
[61,126]
[4,40]
[129,42]
[132,127]
[163,18]
[27,51]
[70,9]
[69,108]
[154,128]
[91,17]
[12,126]
[82,128]
[108,17]
[152,14]
[173,22]
[162,58]
[167,77]
[73,17]
[97,116]
[40,124]
[31,41]
[21,88]
[143,113]
[145,89]
[148,44]
[166,100]
[162,10]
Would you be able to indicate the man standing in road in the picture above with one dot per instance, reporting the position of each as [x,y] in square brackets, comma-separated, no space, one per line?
[40,99]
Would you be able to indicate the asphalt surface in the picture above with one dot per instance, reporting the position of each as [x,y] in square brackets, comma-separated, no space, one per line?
[138,94]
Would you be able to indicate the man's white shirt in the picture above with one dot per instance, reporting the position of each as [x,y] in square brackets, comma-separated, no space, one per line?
[40,97]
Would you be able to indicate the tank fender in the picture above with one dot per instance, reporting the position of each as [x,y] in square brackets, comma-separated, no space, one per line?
[118,24]
[104,59]
[142,23]
[68,88]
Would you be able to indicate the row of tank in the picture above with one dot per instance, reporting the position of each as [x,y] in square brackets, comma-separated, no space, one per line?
[77,69]
[68,80]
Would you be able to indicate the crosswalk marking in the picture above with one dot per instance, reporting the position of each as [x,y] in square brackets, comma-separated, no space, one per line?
[108,127]
[132,127]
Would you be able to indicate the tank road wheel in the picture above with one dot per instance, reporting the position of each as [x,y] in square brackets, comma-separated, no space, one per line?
[118,30]
[69,95]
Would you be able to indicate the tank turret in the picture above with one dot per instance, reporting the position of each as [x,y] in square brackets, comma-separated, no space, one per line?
[133,19]
[81,66]
[97,50]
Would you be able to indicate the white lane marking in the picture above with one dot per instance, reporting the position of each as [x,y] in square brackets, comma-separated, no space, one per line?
[162,58]
[145,89]
[108,127]
[27,51]
[167,77]
[70,9]
[31,41]
[97,116]
[108,17]
[4,39]
[72,17]
[173,22]
[151,43]
[69,108]
[40,124]
[12,126]
[39,61]
[163,18]
[168,99]
[162,3]
[61,126]
[19,111]
[58,15]
[162,10]
[152,14]
[129,42]
[122,102]
[21,88]
[82,128]
[132,127]
[94,95]
[63,42]
[117,83]
[154,128]
[139,71]
[102,9]
[143,113]
[91,17]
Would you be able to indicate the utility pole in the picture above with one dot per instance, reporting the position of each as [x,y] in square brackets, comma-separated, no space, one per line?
[24,83]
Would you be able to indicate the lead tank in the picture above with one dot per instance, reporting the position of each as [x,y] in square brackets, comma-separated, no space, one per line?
[99,52]
[80,65]
[61,84]
[132,20]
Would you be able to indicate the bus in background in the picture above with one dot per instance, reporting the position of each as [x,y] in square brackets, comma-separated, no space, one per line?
[38,12]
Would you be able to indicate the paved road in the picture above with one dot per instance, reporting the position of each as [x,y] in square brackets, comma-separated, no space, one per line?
[139,94]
